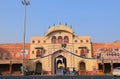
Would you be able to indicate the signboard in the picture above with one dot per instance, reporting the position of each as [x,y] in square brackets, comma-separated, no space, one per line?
[59,59]
[24,53]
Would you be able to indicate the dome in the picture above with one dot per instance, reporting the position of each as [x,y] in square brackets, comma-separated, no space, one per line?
[59,28]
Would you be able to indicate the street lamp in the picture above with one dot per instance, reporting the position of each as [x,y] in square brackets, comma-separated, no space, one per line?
[25,3]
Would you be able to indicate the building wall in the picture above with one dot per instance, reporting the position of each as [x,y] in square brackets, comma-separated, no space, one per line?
[107,46]
[13,51]
[107,55]
[11,58]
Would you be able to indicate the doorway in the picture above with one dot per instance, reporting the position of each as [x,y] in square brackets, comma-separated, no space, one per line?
[38,69]
[82,67]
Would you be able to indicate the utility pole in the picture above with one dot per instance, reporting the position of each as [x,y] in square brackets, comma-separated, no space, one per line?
[25,3]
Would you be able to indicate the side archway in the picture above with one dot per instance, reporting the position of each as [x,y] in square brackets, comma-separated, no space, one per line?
[38,68]
[82,68]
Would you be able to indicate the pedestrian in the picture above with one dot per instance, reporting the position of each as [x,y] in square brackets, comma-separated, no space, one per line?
[68,71]
[74,71]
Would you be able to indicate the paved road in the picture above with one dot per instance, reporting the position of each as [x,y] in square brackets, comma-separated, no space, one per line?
[59,77]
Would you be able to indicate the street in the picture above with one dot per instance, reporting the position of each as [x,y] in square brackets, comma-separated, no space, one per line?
[59,77]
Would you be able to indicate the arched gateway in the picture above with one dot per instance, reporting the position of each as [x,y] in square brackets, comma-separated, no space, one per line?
[59,64]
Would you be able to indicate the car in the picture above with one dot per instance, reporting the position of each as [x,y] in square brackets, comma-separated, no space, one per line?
[116,71]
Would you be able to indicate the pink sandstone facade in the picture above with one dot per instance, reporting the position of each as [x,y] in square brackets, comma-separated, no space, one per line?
[107,55]
[60,49]
[11,58]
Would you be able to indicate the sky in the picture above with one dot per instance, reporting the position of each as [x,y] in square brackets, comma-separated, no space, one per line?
[100,19]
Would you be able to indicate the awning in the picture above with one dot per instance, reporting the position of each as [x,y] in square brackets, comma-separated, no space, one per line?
[38,47]
[10,61]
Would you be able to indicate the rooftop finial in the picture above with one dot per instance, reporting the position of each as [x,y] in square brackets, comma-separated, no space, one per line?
[66,24]
[59,23]
[48,27]
[53,24]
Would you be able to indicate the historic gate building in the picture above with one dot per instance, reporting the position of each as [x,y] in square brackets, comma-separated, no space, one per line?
[59,49]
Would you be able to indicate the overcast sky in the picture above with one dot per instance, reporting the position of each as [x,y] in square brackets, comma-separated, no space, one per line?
[98,18]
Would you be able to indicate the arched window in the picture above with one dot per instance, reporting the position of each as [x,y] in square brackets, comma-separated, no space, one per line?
[44,41]
[60,39]
[53,40]
[33,41]
[38,53]
[33,52]
[87,41]
[82,52]
[38,41]
[66,39]
[76,51]
[81,41]
[82,66]
[75,41]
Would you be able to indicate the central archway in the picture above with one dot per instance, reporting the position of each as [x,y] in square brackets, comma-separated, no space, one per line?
[60,64]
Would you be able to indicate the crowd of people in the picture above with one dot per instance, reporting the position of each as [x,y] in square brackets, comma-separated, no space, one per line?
[64,71]
[68,72]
